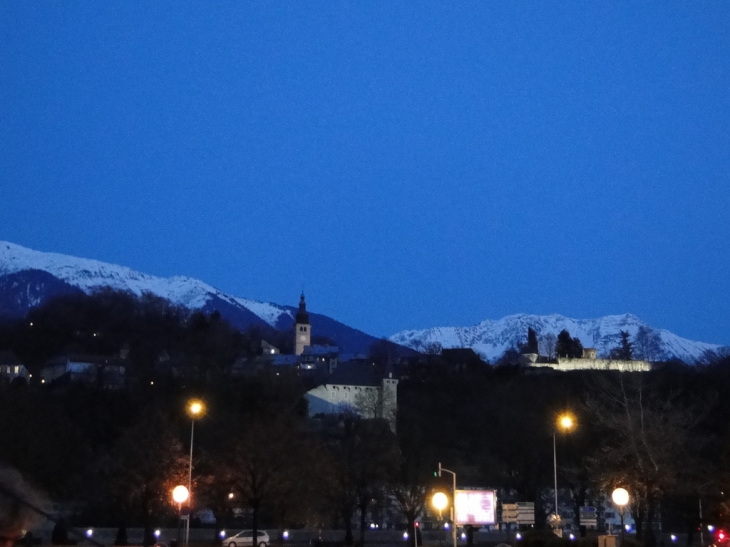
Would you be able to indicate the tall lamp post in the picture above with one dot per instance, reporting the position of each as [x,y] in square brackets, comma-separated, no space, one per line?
[195,409]
[453,503]
[180,495]
[565,423]
[621,498]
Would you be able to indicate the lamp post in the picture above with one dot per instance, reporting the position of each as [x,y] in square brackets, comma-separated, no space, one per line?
[453,503]
[195,409]
[565,423]
[180,495]
[621,498]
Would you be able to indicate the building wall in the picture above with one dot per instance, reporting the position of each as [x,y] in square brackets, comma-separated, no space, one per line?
[10,372]
[333,398]
[596,364]
[302,334]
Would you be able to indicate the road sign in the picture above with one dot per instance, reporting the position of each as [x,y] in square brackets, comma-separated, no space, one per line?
[509,512]
[588,516]
[522,512]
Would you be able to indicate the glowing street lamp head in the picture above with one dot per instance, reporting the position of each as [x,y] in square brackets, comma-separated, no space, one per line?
[566,422]
[620,497]
[196,408]
[180,494]
[440,501]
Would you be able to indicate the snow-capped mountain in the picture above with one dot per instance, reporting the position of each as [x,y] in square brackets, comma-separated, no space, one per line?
[491,339]
[28,277]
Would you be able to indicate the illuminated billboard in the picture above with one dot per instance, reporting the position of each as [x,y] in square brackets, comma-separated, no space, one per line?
[475,506]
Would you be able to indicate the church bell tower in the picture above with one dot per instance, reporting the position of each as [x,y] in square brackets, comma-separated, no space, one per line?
[302,328]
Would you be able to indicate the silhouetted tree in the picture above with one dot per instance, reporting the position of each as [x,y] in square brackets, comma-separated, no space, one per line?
[649,443]
[567,346]
[146,463]
[624,351]
[647,344]
[531,346]
[365,456]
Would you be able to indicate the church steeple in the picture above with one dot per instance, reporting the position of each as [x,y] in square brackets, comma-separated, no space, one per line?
[302,329]
[302,315]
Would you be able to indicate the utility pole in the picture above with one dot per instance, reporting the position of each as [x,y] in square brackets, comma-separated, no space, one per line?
[453,503]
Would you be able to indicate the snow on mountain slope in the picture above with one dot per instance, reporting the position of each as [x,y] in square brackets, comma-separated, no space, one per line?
[89,275]
[492,338]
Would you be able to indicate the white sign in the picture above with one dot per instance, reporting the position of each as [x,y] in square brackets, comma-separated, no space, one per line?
[525,512]
[475,506]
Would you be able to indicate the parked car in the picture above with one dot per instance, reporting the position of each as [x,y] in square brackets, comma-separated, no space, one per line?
[244,538]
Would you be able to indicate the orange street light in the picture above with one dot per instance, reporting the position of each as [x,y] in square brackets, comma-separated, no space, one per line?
[180,494]
[195,409]
[565,422]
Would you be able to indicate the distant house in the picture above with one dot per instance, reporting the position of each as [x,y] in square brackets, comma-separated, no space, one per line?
[318,357]
[11,367]
[104,371]
[356,386]
[268,349]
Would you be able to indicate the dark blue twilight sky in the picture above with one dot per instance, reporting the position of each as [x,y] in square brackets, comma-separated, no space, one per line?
[409,164]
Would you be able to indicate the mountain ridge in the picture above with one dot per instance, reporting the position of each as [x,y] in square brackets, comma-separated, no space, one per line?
[491,338]
[29,277]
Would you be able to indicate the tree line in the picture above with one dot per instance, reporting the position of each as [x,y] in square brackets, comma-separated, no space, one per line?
[115,455]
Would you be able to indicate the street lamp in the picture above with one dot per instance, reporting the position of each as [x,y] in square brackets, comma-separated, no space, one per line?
[440,501]
[180,495]
[453,503]
[621,498]
[565,423]
[195,409]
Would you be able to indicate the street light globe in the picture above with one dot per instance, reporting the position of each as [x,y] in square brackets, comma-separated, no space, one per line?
[440,501]
[180,494]
[566,422]
[620,497]
[196,408]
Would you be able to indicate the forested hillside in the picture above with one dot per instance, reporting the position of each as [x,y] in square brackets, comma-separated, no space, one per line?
[663,435]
